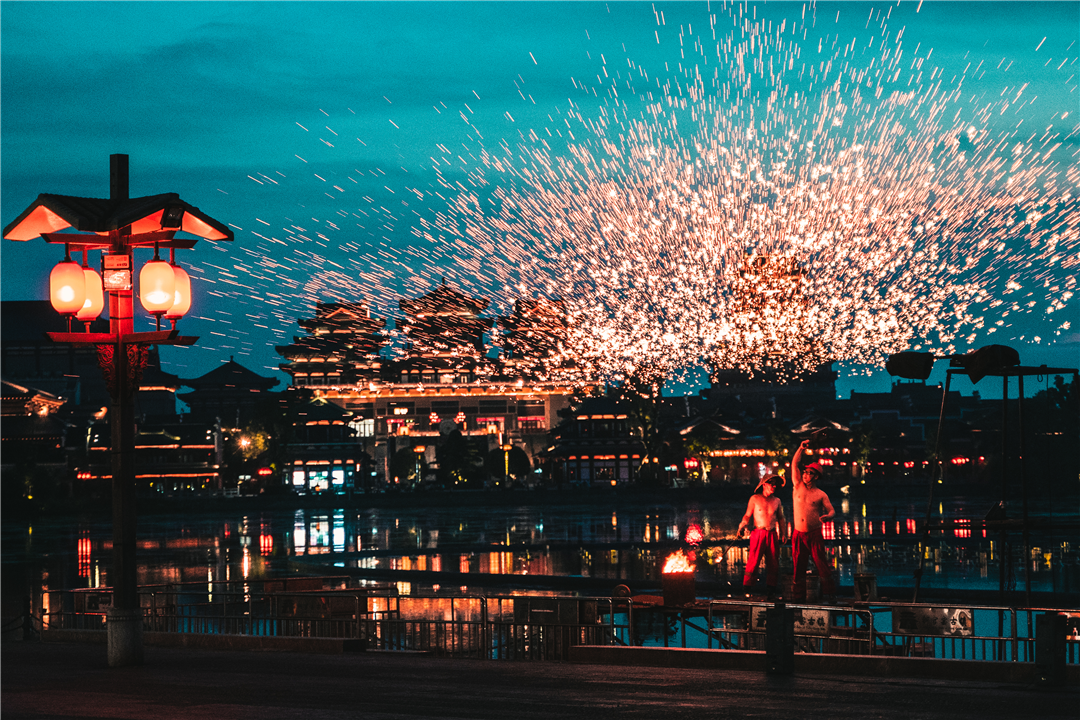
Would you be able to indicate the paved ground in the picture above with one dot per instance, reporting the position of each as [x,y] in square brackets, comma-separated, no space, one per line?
[74,681]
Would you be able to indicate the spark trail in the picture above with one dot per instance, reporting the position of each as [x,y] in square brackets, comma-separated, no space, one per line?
[783,199]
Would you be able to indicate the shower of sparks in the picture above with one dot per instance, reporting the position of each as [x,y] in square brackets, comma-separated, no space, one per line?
[770,201]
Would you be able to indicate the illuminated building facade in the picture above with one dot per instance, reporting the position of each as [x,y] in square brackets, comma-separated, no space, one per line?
[595,447]
[323,455]
[440,381]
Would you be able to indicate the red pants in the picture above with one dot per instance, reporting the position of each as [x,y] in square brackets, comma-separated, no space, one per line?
[767,542]
[803,545]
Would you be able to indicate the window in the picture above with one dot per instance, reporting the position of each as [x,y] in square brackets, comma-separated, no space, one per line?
[445,408]
[532,424]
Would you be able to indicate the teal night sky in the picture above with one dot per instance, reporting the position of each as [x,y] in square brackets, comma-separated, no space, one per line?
[326,132]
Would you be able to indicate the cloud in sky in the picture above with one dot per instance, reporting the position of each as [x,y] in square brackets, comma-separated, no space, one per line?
[326,117]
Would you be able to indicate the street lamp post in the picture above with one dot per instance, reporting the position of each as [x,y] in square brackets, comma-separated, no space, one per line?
[117,225]
[506,464]
[419,450]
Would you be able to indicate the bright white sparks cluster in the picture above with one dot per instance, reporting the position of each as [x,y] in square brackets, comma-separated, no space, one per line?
[768,204]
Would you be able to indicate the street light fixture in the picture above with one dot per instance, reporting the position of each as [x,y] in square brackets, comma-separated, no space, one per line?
[117,225]
[991,360]
[419,450]
[506,464]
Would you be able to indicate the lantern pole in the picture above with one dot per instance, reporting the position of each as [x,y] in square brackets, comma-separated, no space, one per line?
[124,362]
[118,225]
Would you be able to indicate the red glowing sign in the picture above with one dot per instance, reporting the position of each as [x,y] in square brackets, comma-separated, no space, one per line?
[690,463]
[694,534]
[84,548]
[265,471]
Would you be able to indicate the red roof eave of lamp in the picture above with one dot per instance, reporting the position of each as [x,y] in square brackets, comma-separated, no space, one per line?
[51,214]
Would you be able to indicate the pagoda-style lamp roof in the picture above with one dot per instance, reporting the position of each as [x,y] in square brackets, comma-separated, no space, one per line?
[166,213]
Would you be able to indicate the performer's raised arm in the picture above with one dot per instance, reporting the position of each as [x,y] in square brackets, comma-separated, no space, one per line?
[796,462]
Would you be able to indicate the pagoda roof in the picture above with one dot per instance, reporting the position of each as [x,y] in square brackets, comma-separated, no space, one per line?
[443,300]
[22,400]
[232,374]
[817,424]
[344,315]
[320,410]
[154,376]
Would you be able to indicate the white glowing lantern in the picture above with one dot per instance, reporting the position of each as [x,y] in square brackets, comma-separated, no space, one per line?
[95,296]
[181,294]
[67,287]
[157,287]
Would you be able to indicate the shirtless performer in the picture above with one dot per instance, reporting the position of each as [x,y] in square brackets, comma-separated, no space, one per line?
[811,507]
[770,529]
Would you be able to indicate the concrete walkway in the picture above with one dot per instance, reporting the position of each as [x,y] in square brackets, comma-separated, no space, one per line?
[64,680]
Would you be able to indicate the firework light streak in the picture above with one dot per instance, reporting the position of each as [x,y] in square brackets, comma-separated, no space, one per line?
[780,200]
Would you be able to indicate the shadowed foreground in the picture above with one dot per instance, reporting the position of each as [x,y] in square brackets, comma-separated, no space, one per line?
[73,681]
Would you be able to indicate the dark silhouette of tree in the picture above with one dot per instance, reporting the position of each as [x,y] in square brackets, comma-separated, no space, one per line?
[460,465]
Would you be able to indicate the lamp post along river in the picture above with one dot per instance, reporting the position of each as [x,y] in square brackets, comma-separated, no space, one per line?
[117,225]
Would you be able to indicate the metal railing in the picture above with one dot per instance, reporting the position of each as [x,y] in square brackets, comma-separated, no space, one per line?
[959,633]
[526,627]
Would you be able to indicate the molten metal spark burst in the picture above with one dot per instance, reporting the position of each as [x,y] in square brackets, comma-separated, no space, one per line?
[757,209]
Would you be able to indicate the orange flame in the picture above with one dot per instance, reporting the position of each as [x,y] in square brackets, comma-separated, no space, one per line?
[677,563]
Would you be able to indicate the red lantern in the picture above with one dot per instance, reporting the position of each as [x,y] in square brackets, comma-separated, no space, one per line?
[67,287]
[181,294]
[95,296]
[157,286]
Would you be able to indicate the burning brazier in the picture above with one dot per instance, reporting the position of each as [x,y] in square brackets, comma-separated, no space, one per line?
[677,580]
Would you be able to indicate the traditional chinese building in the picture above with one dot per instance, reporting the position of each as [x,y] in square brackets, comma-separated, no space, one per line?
[229,393]
[444,335]
[595,447]
[323,454]
[341,347]
[534,336]
[443,381]
[32,455]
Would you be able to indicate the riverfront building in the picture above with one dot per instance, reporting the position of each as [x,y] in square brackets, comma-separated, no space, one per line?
[441,386]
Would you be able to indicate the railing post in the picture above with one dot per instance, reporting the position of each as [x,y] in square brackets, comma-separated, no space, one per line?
[611,608]
[484,631]
[1015,639]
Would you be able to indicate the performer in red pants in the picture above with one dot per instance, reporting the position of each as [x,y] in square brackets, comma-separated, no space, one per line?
[811,508]
[770,529]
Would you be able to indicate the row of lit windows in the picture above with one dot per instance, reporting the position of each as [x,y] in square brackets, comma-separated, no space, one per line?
[407,377]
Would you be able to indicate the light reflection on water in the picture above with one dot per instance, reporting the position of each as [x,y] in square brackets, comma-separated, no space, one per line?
[620,543]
